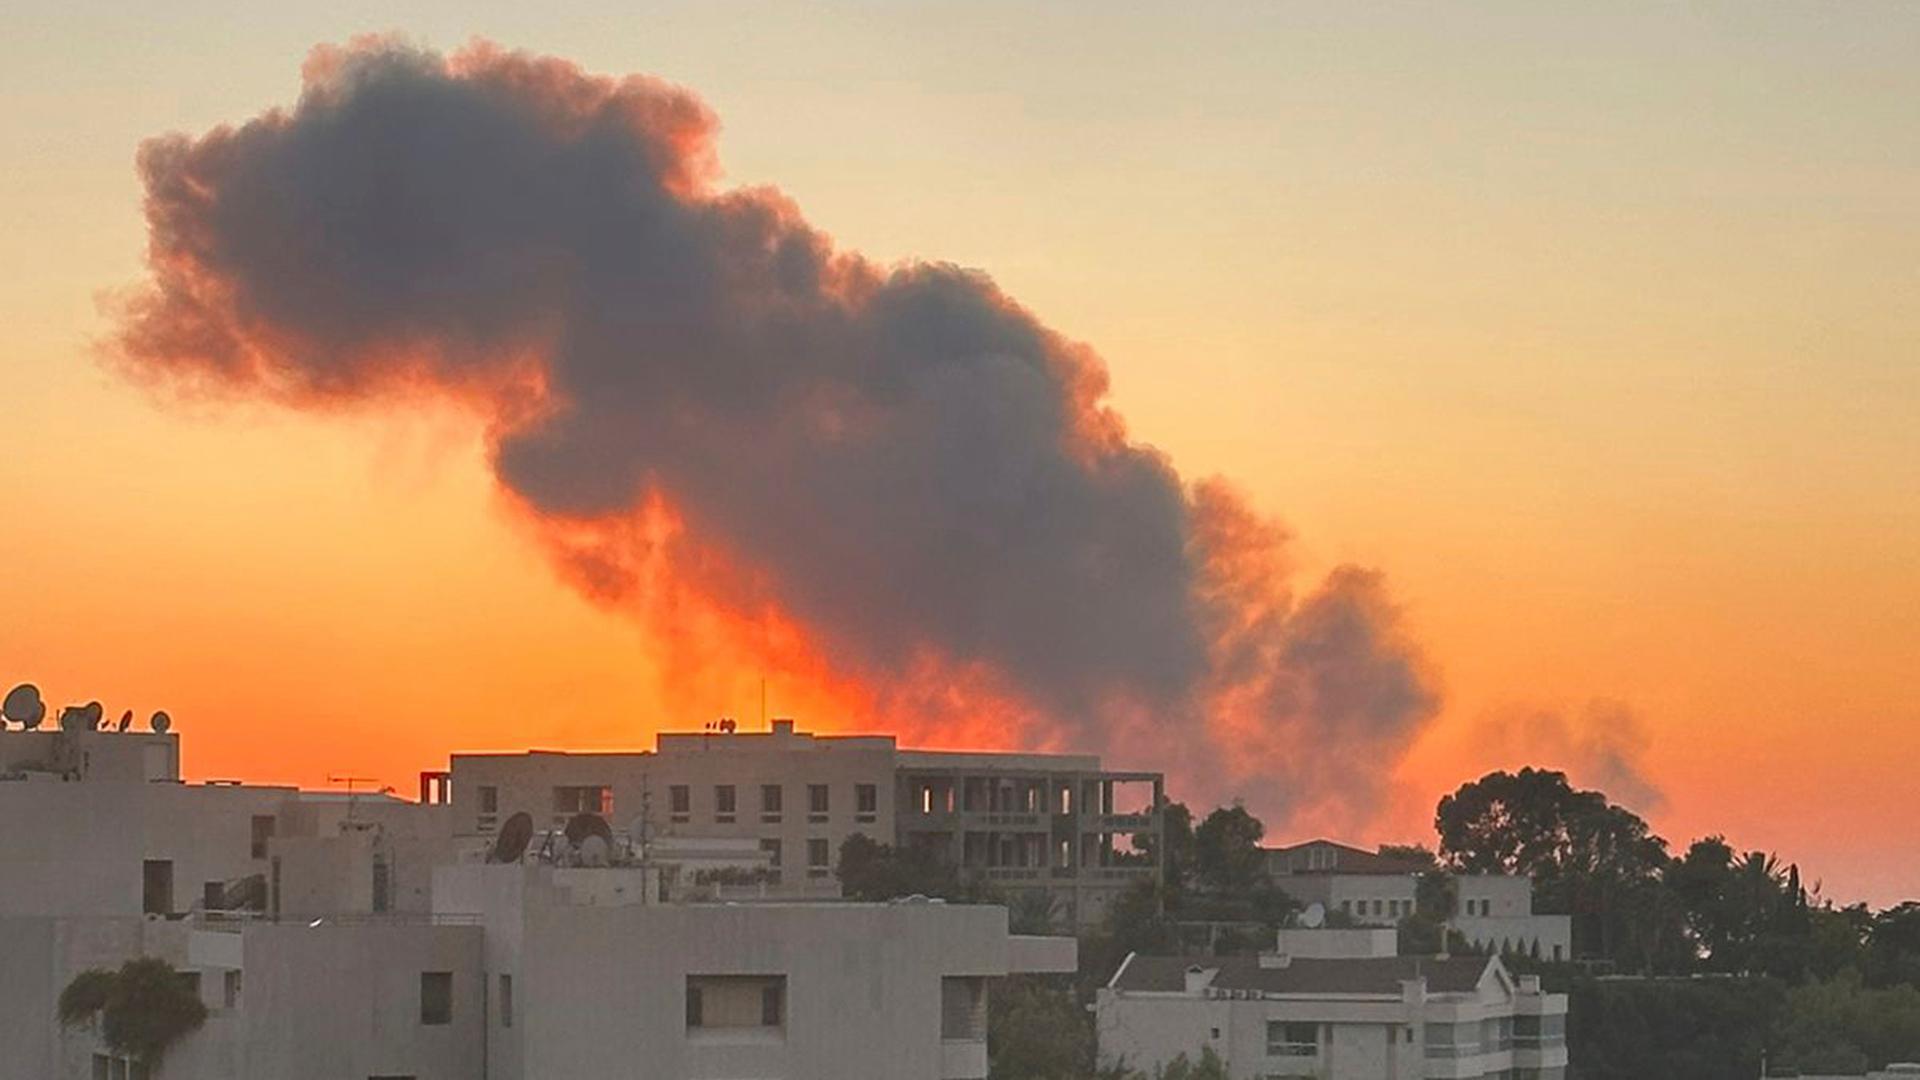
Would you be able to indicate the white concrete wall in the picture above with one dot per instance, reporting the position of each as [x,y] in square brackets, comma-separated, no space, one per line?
[600,987]
[78,848]
[137,756]
[1494,895]
[341,1001]
[1552,932]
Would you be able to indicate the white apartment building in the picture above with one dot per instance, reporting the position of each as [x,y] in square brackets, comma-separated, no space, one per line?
[335,936]
[1053,822]
[1334,1005]
[1492,911]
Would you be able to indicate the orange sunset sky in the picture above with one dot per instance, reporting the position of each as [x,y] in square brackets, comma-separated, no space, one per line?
[1598,333]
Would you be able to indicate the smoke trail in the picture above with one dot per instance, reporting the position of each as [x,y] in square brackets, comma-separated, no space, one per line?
[894,478]
[1603,745]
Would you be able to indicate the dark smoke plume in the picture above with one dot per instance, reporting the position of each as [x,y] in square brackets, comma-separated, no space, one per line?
[902,462]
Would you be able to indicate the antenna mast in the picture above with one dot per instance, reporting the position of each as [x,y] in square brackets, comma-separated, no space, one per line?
[350,781]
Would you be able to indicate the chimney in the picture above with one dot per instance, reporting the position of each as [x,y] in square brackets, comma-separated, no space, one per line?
[783,727]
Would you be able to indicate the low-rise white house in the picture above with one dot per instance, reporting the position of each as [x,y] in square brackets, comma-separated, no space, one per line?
[1334,1005]
[1492,911]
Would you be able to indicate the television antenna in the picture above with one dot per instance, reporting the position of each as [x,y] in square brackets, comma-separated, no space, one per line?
[350,781]
[161,722]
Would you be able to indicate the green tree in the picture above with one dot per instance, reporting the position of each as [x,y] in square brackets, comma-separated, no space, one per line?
[1587,857]
[1210,1067]
[144,1007]
[1226,850]
[869,870]
[1893,946]
[1176,826]
[1037,1030]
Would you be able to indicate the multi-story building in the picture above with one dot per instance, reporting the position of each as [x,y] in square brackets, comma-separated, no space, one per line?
[1057,823]
[1334,1005]
[346,936]
[1492,911]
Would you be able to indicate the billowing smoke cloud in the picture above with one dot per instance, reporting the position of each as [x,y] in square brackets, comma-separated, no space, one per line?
[893,476]
[1602,745]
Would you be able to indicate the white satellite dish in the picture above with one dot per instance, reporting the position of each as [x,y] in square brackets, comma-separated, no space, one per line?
[161,722]
[24,707]
[594,851]
[1314,917]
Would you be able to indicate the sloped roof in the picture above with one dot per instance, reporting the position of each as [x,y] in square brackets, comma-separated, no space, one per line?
[1372,975]
[1347,859]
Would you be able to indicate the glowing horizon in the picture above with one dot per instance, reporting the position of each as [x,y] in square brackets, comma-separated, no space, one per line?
[1632,435]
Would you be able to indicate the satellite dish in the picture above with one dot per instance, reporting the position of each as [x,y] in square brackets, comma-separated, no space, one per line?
[73,718]
[161,722]
[126,718]
[594,851]
[23,706]
[582,825]
[91,712]
[514,836]
[1314,917]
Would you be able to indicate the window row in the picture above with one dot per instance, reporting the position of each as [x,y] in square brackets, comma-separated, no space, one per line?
[1377,908]
[726,802]
[819,855]
[573,799]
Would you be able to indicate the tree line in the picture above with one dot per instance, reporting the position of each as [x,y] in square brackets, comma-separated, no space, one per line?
[1706,963]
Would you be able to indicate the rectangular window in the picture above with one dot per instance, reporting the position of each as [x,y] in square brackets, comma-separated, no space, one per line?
[382,884]
[772,847]
[506,1001]
[770,802]
[262,833]
[583,799]
[723,803]
[866,802]
[1287,1038]
[819,858]
[736,1002]
[817,802]
[963,1008]
[680,803]
[156,887]
[489,799]
[230,990]
[436,997]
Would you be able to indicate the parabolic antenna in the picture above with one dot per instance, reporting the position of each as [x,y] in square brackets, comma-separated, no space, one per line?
[1314,917]
[594,851]
[514,836]
[91,713]
[126,718]
[161,722]
[73,718]
[23,706]
[582,825]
